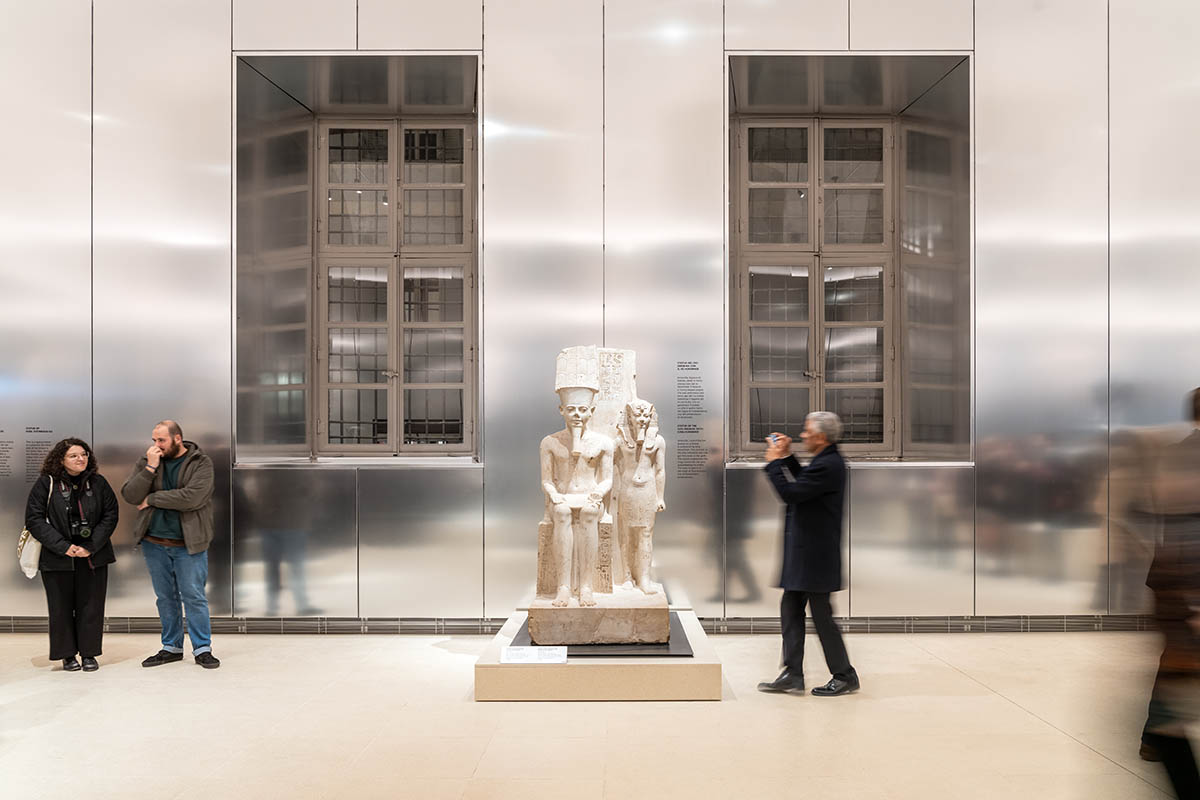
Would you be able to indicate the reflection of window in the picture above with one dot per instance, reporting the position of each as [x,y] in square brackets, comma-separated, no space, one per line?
[396,283]
[814,261]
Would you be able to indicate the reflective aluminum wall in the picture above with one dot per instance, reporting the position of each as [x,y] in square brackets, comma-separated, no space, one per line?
[542,266]
[45,269]
[1042,306]
[663,262]
[1155,247]
[162,292]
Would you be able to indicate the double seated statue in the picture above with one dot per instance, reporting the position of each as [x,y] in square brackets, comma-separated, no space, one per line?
[594,583]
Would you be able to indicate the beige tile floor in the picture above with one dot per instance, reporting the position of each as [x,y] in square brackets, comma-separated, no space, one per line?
[1024,716]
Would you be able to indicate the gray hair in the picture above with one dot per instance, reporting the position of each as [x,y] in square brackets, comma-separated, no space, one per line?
[828,423]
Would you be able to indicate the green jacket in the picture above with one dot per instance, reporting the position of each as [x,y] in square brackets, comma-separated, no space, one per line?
[192,499]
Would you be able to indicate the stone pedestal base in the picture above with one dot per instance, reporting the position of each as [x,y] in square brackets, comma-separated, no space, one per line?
[624,616]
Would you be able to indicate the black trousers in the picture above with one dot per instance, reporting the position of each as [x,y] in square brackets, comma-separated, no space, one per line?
[791,615]
[75,601]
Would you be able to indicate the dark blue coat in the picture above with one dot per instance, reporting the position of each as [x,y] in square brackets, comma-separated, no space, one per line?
[812,527]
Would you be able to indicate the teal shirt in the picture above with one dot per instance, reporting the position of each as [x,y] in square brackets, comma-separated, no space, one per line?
[164,523]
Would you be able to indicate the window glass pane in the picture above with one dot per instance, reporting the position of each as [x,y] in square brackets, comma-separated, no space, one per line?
[357,355]
[272,357]
[853,355]
[781,410]
[779,154]
[931,356]
[929,294]
[358,155]
[927,160]
[358,416]
[933,415]
[853,155]
[433,355]
[284,221]
[853,216]
[433,294]
[433,156]
[778,216]
[779,294]
[854,294]
[861,411]
[778,354]
[433,216]
[358,217]
[358,294]
[433,416]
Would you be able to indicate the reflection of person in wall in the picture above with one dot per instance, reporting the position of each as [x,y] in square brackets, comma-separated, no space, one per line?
[812,551]
[1175,581]
[727,539]
[285,541]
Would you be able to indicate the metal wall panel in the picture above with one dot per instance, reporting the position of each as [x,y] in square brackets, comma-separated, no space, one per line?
[912,540]
[542,268]
[162,255]
[417,25]
[420,542]
[787,24]
[663,223]
[912,25]
[295,24]
[1155,358]
[1041,307]
[754,545]
[295,559]
[45,270]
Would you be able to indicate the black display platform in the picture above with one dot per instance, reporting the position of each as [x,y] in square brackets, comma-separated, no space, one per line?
[678,644]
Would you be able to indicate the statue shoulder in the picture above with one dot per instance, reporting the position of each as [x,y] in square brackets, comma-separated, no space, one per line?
[552,441]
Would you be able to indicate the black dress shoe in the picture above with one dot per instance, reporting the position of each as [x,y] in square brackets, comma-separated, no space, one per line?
[786,682]
[89,664]
[208,661]
[162,657]
[837,686]
[70,664]
[1148,752]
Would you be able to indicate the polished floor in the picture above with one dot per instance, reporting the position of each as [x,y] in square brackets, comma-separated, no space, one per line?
[981,716]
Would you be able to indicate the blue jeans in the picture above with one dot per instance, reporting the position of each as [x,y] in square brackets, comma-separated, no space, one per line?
[179,576]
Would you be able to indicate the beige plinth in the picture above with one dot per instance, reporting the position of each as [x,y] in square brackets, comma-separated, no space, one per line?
[601,677]
[624,615]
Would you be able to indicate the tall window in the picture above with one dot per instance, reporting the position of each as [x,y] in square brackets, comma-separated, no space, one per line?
[395,278]
[814,280]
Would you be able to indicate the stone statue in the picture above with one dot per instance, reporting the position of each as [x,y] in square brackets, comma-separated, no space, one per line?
[577,477]
[641,478]
[577,600]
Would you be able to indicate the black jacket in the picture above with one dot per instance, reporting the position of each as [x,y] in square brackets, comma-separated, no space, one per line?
[99,508]
[812,527]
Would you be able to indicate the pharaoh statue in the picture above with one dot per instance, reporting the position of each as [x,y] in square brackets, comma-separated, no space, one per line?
[641,478]
[577,476]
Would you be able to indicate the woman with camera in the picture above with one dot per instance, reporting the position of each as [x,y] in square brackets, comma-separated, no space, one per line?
[72,511]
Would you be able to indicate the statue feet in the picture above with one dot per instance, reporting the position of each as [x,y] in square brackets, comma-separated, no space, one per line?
[647,586]
[585,598]
[562,598]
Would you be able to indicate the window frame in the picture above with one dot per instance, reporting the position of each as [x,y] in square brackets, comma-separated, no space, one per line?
[467,186]
[744,255]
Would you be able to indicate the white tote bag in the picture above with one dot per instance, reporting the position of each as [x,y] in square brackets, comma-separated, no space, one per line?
[29,549]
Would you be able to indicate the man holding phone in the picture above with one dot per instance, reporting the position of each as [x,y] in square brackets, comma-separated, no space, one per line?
[172,487]
[812,551]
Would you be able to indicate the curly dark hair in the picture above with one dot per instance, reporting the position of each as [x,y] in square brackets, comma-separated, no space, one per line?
[53,465]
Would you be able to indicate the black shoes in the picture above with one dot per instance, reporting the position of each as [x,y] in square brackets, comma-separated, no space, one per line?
[786,682]
[1148,752]
[837,686]
[208,661]
[89,664]
[70,664]
[162,657]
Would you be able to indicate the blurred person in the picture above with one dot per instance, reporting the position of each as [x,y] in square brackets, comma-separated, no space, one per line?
[172,486]
[73,511]
[812,551]
[1174,579]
